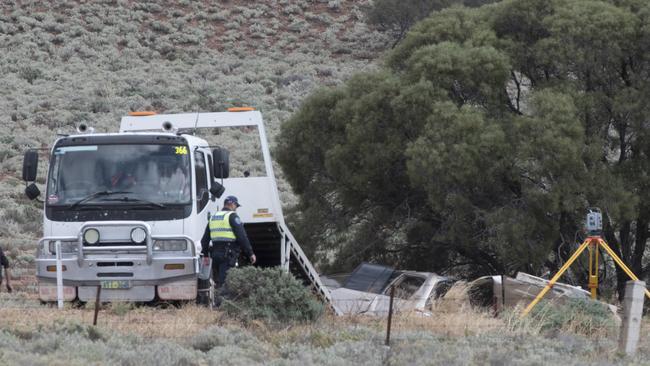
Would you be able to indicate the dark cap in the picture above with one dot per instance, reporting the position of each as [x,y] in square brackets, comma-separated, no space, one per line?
[231,199]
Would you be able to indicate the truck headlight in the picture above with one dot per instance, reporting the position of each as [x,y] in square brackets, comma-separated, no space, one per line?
[138,235]
[66,246]
[175,245]
[91,236]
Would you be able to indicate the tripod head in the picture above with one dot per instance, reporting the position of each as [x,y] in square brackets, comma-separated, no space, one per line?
[594,222]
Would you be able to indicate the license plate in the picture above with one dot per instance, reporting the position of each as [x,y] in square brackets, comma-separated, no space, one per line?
[116,285]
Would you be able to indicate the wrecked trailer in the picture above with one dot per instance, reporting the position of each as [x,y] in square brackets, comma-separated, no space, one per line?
[367,290]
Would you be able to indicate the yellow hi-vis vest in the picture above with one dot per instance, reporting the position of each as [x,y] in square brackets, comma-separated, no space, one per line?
[220,229]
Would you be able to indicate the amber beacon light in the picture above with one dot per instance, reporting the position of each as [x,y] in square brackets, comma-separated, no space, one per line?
[241,109]
[142,113]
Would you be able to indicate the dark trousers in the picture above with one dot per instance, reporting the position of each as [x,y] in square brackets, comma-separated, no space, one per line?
[224,257]
[220,266]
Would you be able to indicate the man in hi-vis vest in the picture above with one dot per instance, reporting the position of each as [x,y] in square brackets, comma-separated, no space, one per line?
[228,236]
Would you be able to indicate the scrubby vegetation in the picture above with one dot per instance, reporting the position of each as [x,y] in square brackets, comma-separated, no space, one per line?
[388,132]
[67,62]
[38,335]
[269,294]
[581,316]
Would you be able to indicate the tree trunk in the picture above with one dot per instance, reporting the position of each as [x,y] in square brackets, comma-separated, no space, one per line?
[642,234]
[621,276]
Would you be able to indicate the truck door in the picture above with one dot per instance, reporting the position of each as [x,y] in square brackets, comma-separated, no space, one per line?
[202,194]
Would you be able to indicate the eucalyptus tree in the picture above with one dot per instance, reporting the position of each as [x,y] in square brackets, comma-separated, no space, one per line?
[482,141]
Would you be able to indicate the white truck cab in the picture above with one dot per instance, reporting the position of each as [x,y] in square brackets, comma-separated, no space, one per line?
[130,208]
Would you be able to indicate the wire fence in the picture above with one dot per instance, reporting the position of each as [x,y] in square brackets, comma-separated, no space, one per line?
[461,311]
[451,316]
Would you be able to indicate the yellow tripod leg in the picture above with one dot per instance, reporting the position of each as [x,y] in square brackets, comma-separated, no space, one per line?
[621,264]
[557,276]
[593,269]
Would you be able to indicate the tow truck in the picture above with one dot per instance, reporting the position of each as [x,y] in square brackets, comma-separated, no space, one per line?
[128,209]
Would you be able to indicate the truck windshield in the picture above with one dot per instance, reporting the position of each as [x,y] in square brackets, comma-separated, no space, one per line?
[155,173]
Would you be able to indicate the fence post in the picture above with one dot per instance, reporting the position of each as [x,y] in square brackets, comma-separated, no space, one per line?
[632,312]
[390,314]
[59,275]
[503,293]
[97,304]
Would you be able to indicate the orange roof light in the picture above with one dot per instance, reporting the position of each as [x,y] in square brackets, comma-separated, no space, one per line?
[142,113]
[241,109]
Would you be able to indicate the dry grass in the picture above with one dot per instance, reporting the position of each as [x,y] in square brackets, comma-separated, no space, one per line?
[172,322]
[201,336]
[462,322]
[143,321]
[451,316]
[467,336]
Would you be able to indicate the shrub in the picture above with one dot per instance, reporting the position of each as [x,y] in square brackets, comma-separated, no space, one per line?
[30,73]
[297,26]
[291,9]
[121,308]
[161,27]
[334,4]
[577,315]
[269,294]
[220,337]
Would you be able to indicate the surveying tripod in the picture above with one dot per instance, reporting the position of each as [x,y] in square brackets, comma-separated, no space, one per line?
[593,243]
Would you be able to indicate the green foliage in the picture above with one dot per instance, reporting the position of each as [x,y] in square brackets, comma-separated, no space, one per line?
[579,316]
[482,141]
[269,294]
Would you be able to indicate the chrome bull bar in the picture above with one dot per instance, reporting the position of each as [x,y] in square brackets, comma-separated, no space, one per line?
[139,249]
[131,248]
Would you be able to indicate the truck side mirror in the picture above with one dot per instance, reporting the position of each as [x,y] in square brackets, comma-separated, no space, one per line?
[217,189]
[32,191]
[221,161]
[30,165]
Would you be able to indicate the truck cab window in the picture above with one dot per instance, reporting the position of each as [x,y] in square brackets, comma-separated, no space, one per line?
[202,192]
[153,172]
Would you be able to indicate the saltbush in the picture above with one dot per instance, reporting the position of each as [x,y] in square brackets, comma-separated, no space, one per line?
[269,294]
[220,337]
[582,316]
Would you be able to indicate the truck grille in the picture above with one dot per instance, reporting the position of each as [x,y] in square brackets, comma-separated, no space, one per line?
[115,244]
[115,274]
[114,264]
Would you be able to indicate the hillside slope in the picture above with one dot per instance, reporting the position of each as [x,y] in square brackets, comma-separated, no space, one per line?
[66,62]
